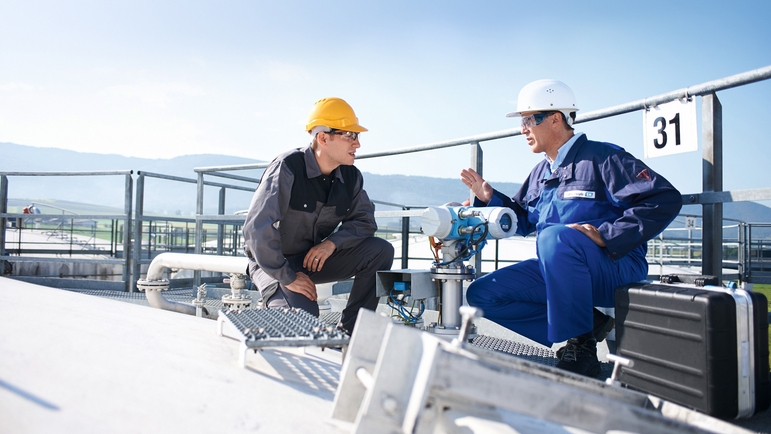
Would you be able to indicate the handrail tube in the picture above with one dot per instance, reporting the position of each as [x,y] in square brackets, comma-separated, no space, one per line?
[68,216]
[753,76]
[191,180]
[712,197]
[247,166]
[706,88]
[236,177]
[60,259]
[75,173]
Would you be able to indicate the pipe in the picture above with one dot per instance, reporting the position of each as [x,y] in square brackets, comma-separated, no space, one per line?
[158,301]
[186,261]
[154,284]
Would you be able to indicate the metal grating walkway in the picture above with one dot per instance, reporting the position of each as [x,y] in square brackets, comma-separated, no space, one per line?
[543,356]
[285,327]
[259,328]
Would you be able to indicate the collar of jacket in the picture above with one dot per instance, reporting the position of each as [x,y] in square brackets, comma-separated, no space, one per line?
[566,170]
[312,168]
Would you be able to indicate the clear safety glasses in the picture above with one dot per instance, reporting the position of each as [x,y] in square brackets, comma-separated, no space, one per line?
[347,135]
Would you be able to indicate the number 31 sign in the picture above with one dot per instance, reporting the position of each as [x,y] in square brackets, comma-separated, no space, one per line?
[670,128]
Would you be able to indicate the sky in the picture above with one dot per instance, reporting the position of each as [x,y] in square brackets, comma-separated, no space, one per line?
[159,79]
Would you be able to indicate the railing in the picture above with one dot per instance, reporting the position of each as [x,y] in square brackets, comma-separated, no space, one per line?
[711,199]
[113,258]
[152,233]
[171,236]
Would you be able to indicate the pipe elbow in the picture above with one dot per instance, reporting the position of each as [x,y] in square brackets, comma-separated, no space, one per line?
[154,283]
[153,292]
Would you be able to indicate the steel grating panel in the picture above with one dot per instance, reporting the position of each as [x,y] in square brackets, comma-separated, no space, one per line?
[543,356]
[331,317]
[259,328]
[181,295]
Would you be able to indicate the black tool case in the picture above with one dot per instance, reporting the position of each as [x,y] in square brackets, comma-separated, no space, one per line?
[701,347]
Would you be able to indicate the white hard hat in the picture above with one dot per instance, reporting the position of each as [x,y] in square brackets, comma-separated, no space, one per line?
[546,95]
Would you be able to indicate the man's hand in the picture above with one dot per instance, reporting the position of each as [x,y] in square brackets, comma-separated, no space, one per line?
[317,255]
[303,285]
[481,189]
[590,231]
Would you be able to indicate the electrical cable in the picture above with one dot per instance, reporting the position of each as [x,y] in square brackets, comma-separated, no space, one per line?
[406,316]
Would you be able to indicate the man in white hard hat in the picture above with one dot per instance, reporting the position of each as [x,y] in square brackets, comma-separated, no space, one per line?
[310,220]
[594,207]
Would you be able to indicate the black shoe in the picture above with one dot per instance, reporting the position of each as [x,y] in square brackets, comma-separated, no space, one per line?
[580,357]
[603,324]
[340,327]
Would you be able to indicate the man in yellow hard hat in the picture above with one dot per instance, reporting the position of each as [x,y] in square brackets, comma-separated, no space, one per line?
[310,220]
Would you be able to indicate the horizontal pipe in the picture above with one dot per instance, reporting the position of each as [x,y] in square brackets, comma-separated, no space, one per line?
[184,261]
[158,301]
[154,293]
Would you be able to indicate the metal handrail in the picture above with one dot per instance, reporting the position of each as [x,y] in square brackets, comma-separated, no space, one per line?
[126,216]
[709,87]
[706,198]
[712,148]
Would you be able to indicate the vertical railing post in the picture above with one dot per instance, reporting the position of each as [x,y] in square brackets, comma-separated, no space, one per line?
[405,240]
[3,210]
[198,226]
[477,160]
[136,269]
[749,254]
[220,226]
[712,173]
[128,196]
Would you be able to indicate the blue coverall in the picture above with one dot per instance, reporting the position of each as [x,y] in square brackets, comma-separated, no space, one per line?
[550,298]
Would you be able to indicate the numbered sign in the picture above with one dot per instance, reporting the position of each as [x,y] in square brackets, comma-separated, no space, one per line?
[690,222]
[670,128]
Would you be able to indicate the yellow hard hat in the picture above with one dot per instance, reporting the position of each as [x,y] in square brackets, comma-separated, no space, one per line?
[333,113]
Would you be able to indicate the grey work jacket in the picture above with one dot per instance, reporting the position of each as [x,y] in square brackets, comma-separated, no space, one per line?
[288,216]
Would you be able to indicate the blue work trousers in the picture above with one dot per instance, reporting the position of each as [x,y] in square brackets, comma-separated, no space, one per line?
[550,299]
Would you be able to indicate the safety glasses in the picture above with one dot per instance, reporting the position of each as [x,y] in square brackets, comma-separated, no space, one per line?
[347,135]
[534,119]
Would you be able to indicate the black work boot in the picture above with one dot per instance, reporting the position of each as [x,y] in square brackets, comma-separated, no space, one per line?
[580,356]
[603,324]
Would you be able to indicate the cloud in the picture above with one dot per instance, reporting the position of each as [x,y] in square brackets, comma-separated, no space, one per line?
[281,71]
[157,94]
[9,87]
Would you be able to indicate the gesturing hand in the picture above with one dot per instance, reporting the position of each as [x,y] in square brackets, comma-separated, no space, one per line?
[481,189]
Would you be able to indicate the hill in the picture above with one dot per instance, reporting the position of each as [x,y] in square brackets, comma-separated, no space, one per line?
[176,198]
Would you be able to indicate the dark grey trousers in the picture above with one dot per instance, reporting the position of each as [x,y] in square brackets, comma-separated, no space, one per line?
[362,262]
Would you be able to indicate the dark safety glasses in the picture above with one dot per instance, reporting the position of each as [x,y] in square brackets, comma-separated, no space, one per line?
[534,119]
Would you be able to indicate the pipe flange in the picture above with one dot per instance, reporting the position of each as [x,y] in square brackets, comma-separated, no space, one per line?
[239,302]
[158,285]
[453,273]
